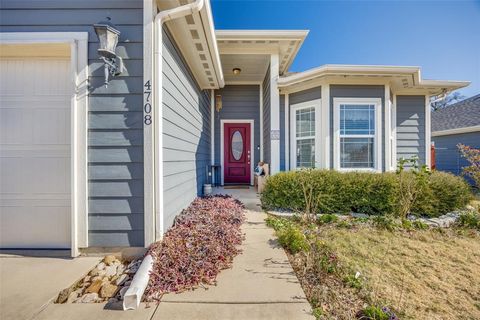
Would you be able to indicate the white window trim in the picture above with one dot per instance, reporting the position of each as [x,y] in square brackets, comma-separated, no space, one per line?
[222,142]
[78,42]
[377,153]
[317,103]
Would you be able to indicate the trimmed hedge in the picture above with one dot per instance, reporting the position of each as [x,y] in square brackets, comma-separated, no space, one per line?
[362,192]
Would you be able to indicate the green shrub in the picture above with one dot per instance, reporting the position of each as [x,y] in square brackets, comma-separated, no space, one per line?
[448,192]
[292,239]
[327,191]
[469,220]
[327,218]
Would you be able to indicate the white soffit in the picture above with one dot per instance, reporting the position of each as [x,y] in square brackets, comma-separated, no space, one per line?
[284,42]
[254,67]
[194,35]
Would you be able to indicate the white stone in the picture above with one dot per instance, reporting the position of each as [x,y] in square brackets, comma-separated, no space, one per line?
[101,266]
[121,279]
[89,298]
[120,269]
[110,271]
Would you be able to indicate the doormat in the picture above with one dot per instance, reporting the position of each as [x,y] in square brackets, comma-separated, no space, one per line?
[236,187]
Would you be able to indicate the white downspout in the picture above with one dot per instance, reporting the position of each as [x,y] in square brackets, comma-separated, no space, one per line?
[139,283]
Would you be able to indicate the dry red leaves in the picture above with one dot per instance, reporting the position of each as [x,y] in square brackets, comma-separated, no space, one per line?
[203,241]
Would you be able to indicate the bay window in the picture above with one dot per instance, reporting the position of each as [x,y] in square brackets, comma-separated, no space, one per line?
[357,125]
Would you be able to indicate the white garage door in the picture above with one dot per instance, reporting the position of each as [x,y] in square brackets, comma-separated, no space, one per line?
[35,153]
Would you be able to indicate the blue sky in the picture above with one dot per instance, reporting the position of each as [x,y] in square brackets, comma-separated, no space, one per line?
[442,37]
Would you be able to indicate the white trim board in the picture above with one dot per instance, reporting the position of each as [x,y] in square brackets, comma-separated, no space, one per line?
[428,133]
[252,138]
[317,103]
[456,131]
[378,132]
[78,42]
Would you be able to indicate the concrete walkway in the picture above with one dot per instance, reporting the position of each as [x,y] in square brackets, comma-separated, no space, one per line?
[261,284]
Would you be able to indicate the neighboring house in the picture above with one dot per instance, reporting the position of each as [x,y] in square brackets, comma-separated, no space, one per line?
[454,124]
[84,165]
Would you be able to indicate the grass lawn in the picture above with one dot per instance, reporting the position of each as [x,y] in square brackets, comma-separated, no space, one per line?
[419,274]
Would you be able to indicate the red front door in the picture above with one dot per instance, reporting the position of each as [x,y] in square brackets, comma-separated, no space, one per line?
[236,153]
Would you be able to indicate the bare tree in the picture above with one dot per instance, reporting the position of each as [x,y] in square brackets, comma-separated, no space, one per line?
[449,99]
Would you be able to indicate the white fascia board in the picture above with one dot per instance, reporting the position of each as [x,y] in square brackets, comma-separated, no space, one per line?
[456,131]
[330,69]
[261,34]
[209,29]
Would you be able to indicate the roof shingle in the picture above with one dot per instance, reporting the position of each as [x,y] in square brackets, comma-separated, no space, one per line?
[462,114]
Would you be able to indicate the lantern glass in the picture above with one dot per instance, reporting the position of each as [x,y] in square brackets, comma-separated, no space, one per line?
[108,37]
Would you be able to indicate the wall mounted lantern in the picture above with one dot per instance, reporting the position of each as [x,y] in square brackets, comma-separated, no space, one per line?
[108,35]
[218,102]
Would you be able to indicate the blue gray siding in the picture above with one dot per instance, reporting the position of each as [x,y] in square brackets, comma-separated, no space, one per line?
[282,133]
[305,95]
[115,127]
[447,157]
[186,133]
[411,127]
[266,118]
[239,102]
[357,91]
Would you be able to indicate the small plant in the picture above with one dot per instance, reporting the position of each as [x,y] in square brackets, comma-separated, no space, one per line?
[469,220]
[385,222]
[376,313]
[292,239]
[407,224]
[472,155]
[420,225]
[344,224]
[277,223]
[353,280]
[317,312]
[327,218]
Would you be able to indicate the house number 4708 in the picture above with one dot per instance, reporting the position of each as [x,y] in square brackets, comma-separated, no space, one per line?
[147,107]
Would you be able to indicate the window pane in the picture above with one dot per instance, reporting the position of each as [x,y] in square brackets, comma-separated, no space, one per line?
[357,119]
[306,153]
[305,122]
[356,152]
[237,145]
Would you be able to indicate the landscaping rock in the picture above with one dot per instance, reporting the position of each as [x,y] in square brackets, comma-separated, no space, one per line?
[120,269]
[74,296]
[108,290]
[101,266]
[110,260]
[89,298]
[94,287]
[97,272]
[110,271]
[120,280]
[358,215]
[64,294]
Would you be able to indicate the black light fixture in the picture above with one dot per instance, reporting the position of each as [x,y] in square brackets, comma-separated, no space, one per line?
[108,35]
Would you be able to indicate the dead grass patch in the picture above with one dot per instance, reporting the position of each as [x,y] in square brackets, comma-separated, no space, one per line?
[423,274]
